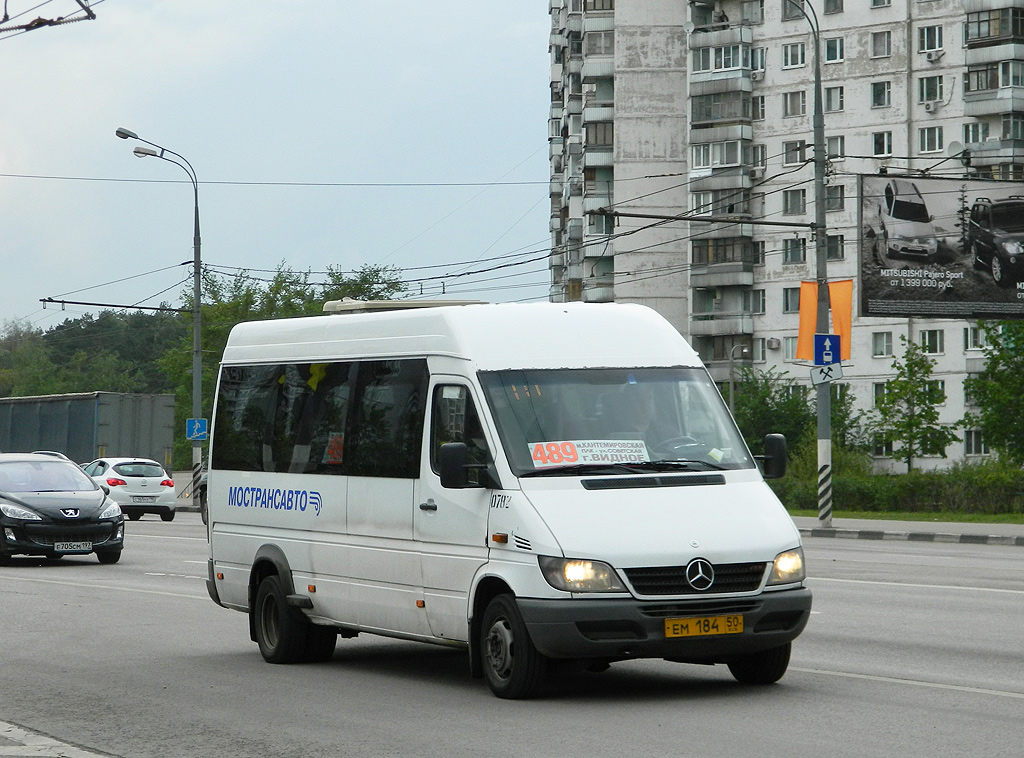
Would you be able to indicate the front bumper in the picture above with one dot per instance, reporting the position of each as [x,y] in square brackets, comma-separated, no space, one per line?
[626,628]
[34,538]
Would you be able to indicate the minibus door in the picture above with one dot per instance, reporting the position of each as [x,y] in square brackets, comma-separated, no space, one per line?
[451,524]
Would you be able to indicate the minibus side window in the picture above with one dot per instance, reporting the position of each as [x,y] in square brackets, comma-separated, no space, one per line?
[454,419]
[386,426]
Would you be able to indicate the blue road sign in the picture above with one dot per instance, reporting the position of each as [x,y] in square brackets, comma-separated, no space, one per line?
[196,429]
[826,349]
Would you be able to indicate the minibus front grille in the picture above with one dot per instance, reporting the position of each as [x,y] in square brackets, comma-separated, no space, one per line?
[697,608]
[637,482]
[671,580]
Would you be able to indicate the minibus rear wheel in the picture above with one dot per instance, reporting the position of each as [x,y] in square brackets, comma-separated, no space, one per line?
[281,630]
[765,667]
[512,666]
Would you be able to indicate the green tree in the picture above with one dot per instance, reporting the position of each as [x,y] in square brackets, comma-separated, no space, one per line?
[907,412]
[998,390]
[767,402]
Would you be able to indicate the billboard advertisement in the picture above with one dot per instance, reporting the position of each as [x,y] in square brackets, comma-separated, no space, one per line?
[940,247]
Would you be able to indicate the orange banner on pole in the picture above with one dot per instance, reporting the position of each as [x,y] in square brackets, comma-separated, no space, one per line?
[840,295]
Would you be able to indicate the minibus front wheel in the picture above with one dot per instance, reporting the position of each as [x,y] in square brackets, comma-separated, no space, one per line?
[765,667]
[512,666]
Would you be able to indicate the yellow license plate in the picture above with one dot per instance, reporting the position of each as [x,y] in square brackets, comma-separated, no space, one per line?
[704,626]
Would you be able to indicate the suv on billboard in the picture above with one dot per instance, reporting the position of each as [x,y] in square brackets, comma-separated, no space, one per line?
[995,236]
[906,226]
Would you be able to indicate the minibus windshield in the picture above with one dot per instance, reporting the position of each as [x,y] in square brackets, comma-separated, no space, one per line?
[609,421]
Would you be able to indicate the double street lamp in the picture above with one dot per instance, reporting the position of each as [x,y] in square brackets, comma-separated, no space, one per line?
[156,151]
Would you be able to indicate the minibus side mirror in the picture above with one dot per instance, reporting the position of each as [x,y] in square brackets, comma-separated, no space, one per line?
[454,466]
[774,456]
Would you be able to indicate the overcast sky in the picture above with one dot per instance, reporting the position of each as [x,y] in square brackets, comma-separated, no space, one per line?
[271,103]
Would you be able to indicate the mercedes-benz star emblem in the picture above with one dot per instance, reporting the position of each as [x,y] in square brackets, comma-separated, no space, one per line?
[700,574]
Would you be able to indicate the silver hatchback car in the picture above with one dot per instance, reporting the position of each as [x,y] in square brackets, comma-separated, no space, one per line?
[138,485]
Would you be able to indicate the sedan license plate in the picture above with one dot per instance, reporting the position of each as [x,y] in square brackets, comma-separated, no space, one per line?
[704,626]
[72,547]
[143,499]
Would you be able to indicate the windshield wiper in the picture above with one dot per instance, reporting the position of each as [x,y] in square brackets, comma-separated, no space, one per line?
[670,463]
[623,468]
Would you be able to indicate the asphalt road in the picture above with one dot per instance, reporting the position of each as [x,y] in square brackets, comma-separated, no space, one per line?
[914,649]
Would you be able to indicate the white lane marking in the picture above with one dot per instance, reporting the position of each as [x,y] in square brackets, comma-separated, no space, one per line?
[10,578]
[912,682]
[918,586]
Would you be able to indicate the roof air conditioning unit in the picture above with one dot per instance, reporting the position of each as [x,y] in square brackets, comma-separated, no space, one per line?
[930,106]
[933,56]
[756,75]
[773,343]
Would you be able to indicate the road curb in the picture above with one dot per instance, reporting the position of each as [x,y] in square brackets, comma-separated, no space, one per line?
[875,534]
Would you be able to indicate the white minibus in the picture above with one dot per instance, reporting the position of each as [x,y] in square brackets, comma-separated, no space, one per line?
[542,485]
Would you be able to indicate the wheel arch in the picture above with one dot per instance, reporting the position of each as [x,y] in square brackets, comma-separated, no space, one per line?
[269,560]
[488,588]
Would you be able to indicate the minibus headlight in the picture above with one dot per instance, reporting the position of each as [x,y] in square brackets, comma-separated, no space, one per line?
[788,567]
[574,575]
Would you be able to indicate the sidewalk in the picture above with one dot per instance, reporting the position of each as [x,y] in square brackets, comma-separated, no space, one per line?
[914,531]
[16,742]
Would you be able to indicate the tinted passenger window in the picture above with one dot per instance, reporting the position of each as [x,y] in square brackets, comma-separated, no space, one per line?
[362,419]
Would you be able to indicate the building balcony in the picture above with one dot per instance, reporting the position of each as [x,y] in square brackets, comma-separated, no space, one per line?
[598,113]
[719,324]
[731,274]
[599,289]
[598,157]
[598,67]
[994,151]
[994,102]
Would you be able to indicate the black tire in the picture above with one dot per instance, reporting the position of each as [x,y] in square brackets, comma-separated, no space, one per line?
[976,261]
[998,273]
[766,667]
[5,559]
[320,643]
[512,666]
[134,516]
[203,513]
[167,516]
[109,556]
[281,630]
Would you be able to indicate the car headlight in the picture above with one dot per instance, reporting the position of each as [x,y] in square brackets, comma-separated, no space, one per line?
[574,575]
[788,567]
[111,511]
[1012,247]
[16,511]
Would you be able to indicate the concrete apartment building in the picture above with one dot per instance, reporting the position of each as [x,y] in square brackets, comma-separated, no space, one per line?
[666,107]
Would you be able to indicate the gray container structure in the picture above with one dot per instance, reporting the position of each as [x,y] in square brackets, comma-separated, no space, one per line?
[89,425]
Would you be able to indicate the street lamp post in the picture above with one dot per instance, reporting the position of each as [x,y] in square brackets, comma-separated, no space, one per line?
[824,397]
[744,350]
[197,356]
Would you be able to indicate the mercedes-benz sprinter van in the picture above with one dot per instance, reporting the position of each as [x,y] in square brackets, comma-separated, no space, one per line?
[533,483]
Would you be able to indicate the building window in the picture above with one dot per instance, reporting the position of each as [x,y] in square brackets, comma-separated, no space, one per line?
[834,99]
[721,250]
[600,5]
[930,139]
[727,58]
[789,348]
[754,301]
[975,132]
[600,134]
[929,38]
[794,153]
[932,341]
[757,58]
[794,202]
[794,55]
[835,197]
[833,6]
[599,43]
[835,147]
[881,344]
[757,108]
[974,338]
[881,144]
[834,50]
[794,104]
[791,301]
[759,156]
[835,246]
[878,390]
[792,9]
[881,44]
[759,250]
[794,250]
[881,94]
[968,397]
[935,391]
[974,443]
[760,354]
[881,3]
[883,447]
[712,154]
[753,12]
[929,88]
[719,106]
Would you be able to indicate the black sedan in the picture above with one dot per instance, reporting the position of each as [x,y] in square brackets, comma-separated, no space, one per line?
[49,507]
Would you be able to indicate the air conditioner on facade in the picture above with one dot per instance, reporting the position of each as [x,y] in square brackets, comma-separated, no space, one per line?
[773,343]
[757,172]
[930,107]
[933,56]
[756,75]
